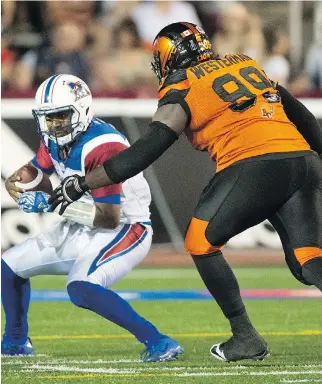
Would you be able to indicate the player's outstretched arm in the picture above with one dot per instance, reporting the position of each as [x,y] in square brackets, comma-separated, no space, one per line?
[303,119]
[167,124]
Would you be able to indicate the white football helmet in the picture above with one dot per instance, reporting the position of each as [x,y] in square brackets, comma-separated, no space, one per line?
[64,109]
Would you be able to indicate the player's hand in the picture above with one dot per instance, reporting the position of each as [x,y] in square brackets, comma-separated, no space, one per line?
[34,202]
[11,187]
[71,189]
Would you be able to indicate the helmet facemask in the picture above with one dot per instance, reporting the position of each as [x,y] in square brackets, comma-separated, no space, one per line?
[156,64]
[58,125]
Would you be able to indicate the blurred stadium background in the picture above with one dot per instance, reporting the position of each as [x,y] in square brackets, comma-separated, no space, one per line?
[108,43]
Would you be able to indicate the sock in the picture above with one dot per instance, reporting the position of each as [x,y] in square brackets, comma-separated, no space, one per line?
[15,293]
[312,272]
[223,286]
[112,307]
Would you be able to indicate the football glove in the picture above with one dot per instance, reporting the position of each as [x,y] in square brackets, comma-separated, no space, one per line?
[71,189]
[34,202]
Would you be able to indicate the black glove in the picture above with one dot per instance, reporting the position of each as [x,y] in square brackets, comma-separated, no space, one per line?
[71,189]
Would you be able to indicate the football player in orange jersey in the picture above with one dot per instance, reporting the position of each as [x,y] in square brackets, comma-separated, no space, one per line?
[266,145]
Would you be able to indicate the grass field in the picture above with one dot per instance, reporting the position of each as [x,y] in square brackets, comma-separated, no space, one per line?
[77,346]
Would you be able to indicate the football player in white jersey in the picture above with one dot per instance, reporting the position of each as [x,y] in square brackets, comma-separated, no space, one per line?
[103,236]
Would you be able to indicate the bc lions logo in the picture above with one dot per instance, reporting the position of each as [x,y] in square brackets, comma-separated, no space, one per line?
[78,90]
[267,110]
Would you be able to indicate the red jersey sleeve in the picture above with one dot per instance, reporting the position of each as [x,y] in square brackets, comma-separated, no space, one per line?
[95,158]
[42,160]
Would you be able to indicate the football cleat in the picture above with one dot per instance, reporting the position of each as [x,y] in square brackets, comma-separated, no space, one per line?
[8,348]
[165,349]
[235,350]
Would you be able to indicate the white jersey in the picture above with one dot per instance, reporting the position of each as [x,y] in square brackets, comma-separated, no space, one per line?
[98,143]
[97,255]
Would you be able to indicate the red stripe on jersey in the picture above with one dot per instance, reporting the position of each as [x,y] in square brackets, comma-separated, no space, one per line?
[102,152]
[43,158]
[96,158]
[133,235]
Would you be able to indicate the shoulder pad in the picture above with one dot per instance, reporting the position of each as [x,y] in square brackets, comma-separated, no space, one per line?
[174,78]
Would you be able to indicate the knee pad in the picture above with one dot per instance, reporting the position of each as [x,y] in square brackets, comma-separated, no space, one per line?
[79,292]
[196,242]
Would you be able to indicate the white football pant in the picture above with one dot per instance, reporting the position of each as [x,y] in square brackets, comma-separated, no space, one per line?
[100,256]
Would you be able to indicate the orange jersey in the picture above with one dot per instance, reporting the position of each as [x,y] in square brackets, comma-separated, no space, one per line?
[235,112]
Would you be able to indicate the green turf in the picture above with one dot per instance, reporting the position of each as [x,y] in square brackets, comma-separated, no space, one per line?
[178,278]
[78,354]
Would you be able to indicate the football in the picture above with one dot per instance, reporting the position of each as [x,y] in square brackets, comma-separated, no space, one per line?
[33,179]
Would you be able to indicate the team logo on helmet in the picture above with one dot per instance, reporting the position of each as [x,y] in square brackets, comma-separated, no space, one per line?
[179,46]
[78,90]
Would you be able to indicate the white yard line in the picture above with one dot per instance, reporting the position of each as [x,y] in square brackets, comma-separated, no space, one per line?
[53,366]
[63,361]
[277,373]
[15,361]
[302,381]
[65,368]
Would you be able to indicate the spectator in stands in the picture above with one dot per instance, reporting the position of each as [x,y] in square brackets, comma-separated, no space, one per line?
[128,65]
[238,31]
[8,9]
[309,83]
[63,55]
[208,12]
[115,12]
[101,33]
[313,65]
[151,16]
[79,12]
[275,64]
[8,57]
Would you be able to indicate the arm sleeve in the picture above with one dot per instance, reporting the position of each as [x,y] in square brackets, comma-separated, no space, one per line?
[303,119]
[141,154]
[42,160]
[95,158]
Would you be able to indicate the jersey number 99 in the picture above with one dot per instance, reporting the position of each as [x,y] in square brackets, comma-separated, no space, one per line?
[241,91]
